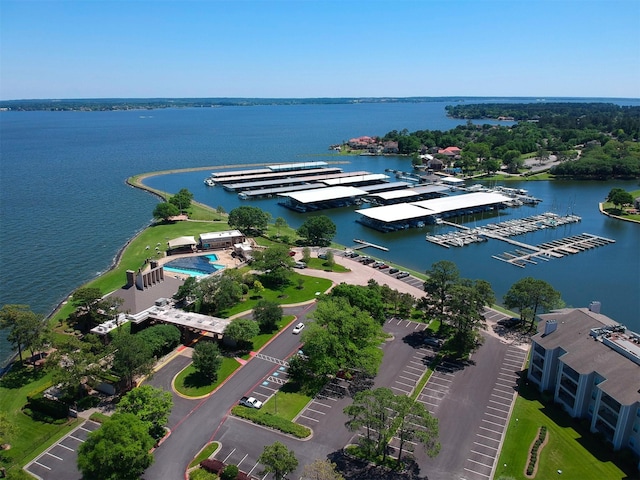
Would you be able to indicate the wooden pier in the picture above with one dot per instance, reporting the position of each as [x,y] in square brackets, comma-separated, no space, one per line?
[365,244]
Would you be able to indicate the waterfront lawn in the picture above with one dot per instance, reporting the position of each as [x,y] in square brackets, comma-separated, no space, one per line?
[31,436]
[191,384]
[289,295]
[578,454]
[320,264]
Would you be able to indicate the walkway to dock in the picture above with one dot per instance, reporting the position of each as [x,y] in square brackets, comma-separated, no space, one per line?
[364,244]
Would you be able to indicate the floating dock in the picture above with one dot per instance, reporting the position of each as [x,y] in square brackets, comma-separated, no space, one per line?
[364,244]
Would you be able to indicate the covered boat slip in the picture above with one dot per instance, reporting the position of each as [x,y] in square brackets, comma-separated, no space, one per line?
[234,187]
[363,179]
[275,175]
[270,192]
[329,197]
[384,187]
[405,215]
[417,193]
[269,169]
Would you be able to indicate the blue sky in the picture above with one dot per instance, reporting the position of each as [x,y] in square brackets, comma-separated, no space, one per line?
[305,48]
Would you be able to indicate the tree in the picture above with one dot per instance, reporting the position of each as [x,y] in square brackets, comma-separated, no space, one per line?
[280,223]
[217,293]
[267,314]
[118,450]
[151,405]
[306,254]
[165,210]
[242,330]
[249,219]
[277,264]
[187,291]
[24,326]
[368,299]
[317,230]
[414,424]
[71,365]
[321,470]
[529,295]
[619,197]
[466,307]
[182,200]
[330,260]
[441,277]
[132,357]
[207,360]
[278,459]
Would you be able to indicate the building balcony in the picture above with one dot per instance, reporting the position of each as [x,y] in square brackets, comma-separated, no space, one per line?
[566,398]
[569,386]
[609,402]
[607,416]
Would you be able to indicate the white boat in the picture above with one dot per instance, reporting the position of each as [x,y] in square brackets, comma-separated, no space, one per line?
[209,182]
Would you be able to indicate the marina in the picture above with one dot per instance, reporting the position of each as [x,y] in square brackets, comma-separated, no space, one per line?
[525,254]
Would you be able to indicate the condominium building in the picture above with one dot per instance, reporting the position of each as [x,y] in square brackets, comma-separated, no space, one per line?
[592,365]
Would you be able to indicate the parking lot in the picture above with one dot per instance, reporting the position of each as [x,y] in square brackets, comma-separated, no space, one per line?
[59,461]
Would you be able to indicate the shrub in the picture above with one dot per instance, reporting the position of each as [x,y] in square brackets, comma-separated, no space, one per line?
[272,421]
[201,474]
[46,408]
[212,465]
[230,472]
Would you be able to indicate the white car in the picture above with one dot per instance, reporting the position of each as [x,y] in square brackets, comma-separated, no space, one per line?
[250,402]
[298,328]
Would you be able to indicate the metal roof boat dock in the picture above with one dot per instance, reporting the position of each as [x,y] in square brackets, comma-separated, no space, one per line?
[298,180]
[269,169]
[318,199]
[384,187]
[416,193]
[275,175]
[270,192]
[366,179]
[404,215]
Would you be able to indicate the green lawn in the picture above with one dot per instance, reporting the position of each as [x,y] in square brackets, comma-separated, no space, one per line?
[204,453]
[260,340]
[580,457]
[190,383]
[286,403]
[320,264]
[31,437]
[290,294]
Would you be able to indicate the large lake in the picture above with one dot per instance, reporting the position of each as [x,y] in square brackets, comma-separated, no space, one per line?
[66,210]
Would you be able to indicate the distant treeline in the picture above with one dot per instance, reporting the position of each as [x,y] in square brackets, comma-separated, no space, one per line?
[592,140]
[108,104]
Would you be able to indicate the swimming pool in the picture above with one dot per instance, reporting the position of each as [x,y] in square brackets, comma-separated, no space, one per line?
[195,266]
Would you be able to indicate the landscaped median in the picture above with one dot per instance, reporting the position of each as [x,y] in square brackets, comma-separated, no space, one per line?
[276,422]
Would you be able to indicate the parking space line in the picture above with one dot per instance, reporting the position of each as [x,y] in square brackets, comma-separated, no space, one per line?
[490,430]
[483,454]
[321,404]
[501,417]
[316,411]
[500,403]
[494,408]
[493,423]
[488,438]
[478,473]
[253,468]
[43,466]
[416,368]
[76,438]
[52,455]
[510,389]
[504,398]
[309,418]
[487,446]
[243,459]
[324,397]
[479,463]
[64,446]
[227,457]
[405,384]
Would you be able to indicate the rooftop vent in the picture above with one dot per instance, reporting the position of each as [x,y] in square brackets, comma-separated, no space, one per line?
[550,327]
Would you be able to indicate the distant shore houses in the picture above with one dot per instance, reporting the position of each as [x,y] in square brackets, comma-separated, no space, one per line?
[375,146]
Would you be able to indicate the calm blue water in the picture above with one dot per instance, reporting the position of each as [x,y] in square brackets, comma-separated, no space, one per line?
[66,210]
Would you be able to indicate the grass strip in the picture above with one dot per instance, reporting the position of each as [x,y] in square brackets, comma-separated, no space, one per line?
[205,453]
[191,384]
[272,421]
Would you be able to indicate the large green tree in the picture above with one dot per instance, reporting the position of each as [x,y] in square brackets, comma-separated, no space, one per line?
[182,200]
[278,459]
[619,197]
[207,359]
[165,210]
[151,405]
[248,219]
[321,470]
[442,276]
[531,296]
[277,265]
[317,230]
[132,357]
[414,424]
[242,330]
[118,450]
[267,314]
[25,327]
[216,293]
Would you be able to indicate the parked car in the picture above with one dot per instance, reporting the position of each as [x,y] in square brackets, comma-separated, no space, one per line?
[368,260]
[298,328]
[300,265]
[376,264]
[393,270]
[383,266]
[402,275]
[292,253]
[322,256]
[433,342]
[363,259]
[250,402]
[509,322]
[354,255]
